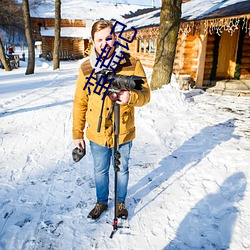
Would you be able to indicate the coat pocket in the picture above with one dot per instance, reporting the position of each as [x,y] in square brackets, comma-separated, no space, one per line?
[127,120]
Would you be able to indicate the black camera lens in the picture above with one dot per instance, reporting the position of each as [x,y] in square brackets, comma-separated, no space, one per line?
[121,81]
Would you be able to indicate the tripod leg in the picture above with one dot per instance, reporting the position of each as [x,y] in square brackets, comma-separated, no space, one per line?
[116,161]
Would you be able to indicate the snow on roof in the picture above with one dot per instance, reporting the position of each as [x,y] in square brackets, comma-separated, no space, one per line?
[197,9]
[85,10]
[136,16]
[79,32]
[192,10]
[148,19]
[138,2]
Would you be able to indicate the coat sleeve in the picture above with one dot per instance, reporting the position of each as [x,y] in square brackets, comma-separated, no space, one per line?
[80,106]
[139,98]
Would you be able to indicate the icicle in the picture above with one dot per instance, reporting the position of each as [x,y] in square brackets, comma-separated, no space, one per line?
[216,25]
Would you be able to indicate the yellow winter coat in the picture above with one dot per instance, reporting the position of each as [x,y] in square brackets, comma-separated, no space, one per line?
[87,106]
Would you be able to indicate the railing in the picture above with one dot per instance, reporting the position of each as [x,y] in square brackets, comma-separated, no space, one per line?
[63,55]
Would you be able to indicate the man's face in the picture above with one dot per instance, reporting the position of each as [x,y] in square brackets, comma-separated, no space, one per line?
[100,41]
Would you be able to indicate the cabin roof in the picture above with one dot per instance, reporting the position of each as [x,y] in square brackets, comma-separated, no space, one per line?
[209,9]
[85,10]
[79,32]
[193,10]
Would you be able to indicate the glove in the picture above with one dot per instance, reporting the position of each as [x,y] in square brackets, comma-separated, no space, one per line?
[78,153]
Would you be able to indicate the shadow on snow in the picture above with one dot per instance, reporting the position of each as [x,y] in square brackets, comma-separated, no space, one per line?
[210,223]
[23,110]
[190,153]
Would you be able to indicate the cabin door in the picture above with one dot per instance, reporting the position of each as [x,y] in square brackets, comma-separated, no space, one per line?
[227,55]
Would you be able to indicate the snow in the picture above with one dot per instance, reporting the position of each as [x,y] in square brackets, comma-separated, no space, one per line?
[93,10]
[86,10]
[149,19]
[81,32]
[156,3]
[197,9]
[192,10]
[189,169]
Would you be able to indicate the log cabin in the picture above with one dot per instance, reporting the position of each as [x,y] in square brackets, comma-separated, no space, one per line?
[77,18]
[74,37]
[213,41]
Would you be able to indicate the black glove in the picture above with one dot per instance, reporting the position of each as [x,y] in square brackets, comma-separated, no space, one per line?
[78,153]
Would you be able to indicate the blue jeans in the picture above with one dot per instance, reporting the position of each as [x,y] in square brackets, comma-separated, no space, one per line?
[102,158]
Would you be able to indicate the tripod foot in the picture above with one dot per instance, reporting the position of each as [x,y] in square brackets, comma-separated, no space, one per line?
[116,226]
[112,233]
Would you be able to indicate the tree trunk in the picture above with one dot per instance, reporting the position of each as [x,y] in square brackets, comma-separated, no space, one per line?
[29,38]
[3,57]
[56,59]
[168,34]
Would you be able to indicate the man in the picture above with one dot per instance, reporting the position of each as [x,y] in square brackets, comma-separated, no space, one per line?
[87,106]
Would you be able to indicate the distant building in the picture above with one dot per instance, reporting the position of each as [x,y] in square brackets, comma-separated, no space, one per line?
[77,19]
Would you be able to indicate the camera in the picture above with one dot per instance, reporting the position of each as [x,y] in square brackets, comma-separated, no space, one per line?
[121,82]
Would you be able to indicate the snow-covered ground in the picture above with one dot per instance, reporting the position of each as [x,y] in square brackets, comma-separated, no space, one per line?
[189,169]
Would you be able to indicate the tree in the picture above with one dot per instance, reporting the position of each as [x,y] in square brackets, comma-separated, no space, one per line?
[168,34]
[56,59]
[10,24]
[28,33]
[11,18]
[3,57]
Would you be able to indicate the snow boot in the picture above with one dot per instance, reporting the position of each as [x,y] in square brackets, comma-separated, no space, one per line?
[97,210]
[122,211]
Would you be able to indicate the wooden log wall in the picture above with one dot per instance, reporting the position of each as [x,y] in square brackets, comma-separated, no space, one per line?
[179,60]
[79,46]
[186,55]
[50,22]
[47,45]
[146,60]
[66,44]
[73,45]
[190,56]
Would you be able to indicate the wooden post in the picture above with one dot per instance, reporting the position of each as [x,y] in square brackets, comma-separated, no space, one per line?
[201,60]
[144,45]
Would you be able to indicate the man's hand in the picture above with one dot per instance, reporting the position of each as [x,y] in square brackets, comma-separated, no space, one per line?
[79,143]
[123,97]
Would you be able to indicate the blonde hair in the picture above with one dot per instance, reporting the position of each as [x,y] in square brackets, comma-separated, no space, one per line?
[100,25]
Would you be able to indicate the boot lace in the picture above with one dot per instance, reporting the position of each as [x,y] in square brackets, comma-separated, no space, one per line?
[121,206]
[97,209]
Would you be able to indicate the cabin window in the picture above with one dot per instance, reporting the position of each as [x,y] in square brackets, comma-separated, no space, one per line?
[152,45]
[139,45]
[146,45]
